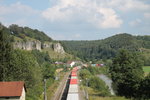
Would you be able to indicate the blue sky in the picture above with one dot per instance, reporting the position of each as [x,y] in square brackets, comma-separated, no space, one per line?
[79,19]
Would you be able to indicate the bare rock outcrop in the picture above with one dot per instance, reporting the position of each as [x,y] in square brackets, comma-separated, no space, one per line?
[58,48]
[37,45]
[28,45]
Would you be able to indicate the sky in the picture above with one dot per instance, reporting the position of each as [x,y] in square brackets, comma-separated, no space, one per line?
[79,19]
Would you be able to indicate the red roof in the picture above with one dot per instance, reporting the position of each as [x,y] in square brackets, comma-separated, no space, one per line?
[11,89]
[73,81]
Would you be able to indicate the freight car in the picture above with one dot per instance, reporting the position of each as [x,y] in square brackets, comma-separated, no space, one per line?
[73,86]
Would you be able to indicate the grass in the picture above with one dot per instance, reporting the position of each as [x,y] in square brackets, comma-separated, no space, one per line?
[52,89]
[94,95]
[146,69]
[55,55]
[107,98]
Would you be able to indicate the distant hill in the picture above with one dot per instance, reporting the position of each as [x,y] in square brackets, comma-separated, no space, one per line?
[23,32]
[106,48]
[29,39]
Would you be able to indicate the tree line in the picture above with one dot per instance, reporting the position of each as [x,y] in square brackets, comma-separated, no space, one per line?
[108,48]
[23,32]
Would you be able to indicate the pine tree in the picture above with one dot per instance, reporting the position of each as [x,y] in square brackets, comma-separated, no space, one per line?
[5,54]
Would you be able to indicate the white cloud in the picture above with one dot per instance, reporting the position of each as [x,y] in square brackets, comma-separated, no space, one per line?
[17,13]
[137,5]
[89,11]
[109,18]
[129,5]
[56,13]
[17,8]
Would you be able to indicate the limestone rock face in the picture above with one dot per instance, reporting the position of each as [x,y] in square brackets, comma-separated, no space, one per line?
[37,45]
[28,45]
[58,48]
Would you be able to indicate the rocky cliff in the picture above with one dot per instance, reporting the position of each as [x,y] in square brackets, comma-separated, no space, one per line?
[28,45]
[57,47]
[37,45]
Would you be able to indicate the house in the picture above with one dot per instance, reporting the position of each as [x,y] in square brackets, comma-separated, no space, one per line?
[71,63]
[59,63]
[12,90]
[97,65]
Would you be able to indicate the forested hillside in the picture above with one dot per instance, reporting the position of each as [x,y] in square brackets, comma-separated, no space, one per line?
[106,48]
[23,32]
[32,67]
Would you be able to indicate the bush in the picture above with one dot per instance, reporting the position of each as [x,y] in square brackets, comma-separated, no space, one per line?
[94,70]
[144,90]
[84,74]
[97,84]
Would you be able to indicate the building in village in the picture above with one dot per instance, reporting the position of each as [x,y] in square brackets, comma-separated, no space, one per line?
[97,65]
[12,90]
[71,63]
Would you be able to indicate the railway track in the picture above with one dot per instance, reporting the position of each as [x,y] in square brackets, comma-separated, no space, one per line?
[59,92]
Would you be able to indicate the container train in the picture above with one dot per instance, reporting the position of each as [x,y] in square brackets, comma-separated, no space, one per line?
[73,93]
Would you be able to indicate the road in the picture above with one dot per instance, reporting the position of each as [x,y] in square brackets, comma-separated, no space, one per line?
[60,89]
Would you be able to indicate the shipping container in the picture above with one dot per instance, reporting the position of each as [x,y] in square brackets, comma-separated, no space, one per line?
[73,74]
[73,88]
[73,81]
[74,77]
[73,96]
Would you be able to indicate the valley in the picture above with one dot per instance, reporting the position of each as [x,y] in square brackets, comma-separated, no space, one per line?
[115,68]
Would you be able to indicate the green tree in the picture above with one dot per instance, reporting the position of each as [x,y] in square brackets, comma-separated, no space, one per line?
[49,71]
[27,69]
[85,74]
[99,85]
[5,54]
[126,72]
[144,93]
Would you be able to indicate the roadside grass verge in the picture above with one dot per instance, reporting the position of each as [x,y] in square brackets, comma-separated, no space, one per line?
[146,70]
[107,98]
[95,95]
[52,88]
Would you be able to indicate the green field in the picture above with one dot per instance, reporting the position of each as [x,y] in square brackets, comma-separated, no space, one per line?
[146,69]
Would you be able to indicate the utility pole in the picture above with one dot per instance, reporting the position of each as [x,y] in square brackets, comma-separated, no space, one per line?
[45,97]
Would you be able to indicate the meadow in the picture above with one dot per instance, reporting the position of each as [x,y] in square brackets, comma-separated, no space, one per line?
[146,69]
